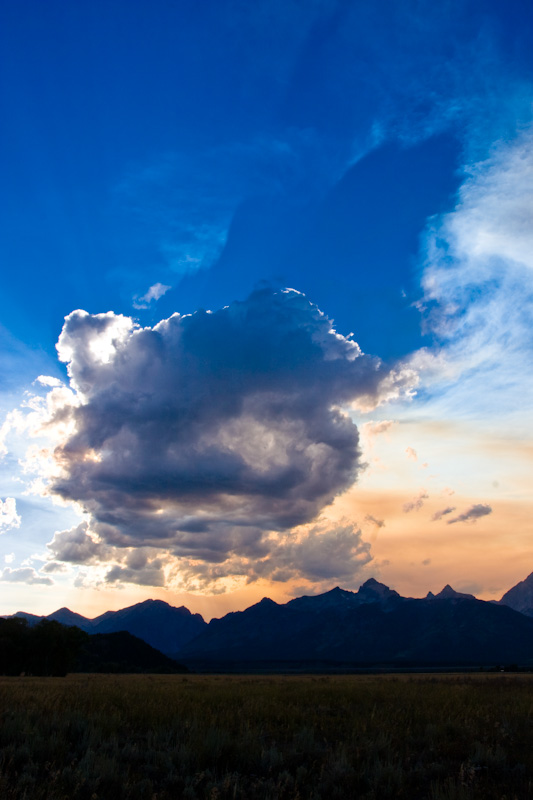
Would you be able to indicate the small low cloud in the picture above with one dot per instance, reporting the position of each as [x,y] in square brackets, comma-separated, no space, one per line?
[417,502]
[373,429]
[82,581]
[25,575]
[440,514]
[154,293]
[8,515]
[472,514]
[48,380]
[380,523]
[77,546]
[411,454]
[53,566]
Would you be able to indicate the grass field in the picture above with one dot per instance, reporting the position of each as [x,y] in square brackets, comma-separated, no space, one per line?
[92,737]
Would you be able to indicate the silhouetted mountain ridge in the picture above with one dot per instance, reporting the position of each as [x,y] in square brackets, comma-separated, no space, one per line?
[373,625]
[520,597]
[370,592]
[449,594]
[164,627]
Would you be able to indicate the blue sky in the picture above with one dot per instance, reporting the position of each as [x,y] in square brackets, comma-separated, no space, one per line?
[180,157]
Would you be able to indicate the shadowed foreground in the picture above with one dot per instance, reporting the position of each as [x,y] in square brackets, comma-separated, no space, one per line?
[167,737]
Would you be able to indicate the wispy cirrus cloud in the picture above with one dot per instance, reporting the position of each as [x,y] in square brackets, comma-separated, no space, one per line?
[417,502]
[442,513]
[411,454]
[155,292]
[478,288]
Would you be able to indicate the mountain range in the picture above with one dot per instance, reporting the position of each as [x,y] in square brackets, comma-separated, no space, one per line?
[164,627]
[373,626]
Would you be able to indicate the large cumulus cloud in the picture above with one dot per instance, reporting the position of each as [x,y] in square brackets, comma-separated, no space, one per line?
[206,431]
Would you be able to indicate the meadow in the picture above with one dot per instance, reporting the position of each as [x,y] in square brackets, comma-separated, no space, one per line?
[146,737]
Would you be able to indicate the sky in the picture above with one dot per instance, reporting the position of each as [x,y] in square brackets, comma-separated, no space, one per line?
[267,300]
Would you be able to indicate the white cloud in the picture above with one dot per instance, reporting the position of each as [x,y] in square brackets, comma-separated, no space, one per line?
[411,454]
[24,575]
[478,289]
[155,292]
[372,429]
[8,515]
[493,220]
[48,380]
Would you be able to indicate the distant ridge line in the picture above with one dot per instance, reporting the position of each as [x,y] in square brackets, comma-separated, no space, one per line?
[373,624]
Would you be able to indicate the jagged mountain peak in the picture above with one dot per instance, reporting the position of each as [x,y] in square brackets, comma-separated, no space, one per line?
[448,593]
[67,617]
[373,625]
[333,598]
[373,590]
[266,601]
[338,593]
[147,607]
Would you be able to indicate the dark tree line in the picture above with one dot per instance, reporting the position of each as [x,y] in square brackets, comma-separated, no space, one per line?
[47,648]
[50,648]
